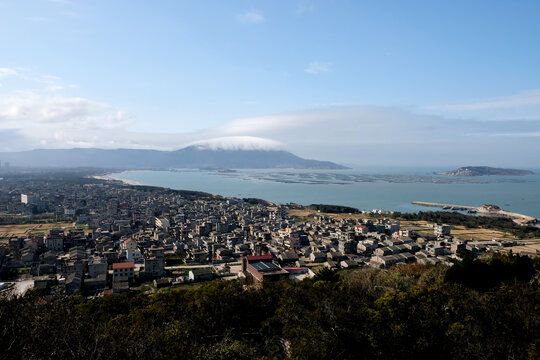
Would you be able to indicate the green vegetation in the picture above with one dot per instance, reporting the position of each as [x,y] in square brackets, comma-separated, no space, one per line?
[488,273]
[23,270]
[256,201]
[187,194]
[333,209]
[44,218]
[469,221]
[406,312]
[176,259]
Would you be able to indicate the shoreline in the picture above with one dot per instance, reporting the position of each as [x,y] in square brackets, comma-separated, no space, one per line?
[108,177]
[486,210]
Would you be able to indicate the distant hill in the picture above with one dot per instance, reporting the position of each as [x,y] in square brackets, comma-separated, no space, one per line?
[189,157]
[486,170]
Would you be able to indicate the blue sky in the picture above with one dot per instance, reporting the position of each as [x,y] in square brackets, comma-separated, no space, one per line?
[162,74]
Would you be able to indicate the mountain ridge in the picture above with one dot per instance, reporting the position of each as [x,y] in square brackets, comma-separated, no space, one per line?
[188,157]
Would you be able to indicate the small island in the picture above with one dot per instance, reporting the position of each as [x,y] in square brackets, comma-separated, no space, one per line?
[486,170]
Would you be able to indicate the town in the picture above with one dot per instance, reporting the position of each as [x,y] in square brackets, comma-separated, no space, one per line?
[104,237]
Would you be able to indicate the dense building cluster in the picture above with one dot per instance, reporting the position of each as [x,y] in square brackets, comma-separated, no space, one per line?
[127,236]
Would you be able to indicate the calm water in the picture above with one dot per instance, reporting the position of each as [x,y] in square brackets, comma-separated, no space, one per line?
[368,189]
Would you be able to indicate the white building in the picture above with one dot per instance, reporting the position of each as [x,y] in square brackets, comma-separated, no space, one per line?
[29,199]
[442,230]
[129,244]
[135,256]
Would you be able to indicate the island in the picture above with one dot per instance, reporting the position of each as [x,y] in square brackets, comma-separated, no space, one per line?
[486,170]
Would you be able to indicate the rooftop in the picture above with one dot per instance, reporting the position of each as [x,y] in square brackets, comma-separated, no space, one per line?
[265,266]
[259,257]
[124,265]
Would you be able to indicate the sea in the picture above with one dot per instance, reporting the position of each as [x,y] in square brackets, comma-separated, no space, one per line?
[388,189]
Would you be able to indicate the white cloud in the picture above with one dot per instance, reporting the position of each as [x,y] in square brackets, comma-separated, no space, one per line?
[26,78]
[304,6]
[26,110]
[375,135]
[252,16]
[518,134]
[237,143]
[54,87]
[49,79]
[71,14]
[7,71]
[521,106]
[44,117]
[317,67]
[526,98]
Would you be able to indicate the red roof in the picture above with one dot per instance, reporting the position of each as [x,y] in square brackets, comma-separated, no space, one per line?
[124,265]
[259,257]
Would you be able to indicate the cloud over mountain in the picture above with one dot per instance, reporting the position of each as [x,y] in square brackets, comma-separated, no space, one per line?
[237,143]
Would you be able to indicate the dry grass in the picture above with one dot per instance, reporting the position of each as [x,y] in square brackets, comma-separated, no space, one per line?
[480,234]
[8,231]
[527,249]
[421,227]
[304,213]
[528,246]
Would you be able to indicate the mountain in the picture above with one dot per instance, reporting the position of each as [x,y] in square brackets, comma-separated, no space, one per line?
[486,170]
[189,157]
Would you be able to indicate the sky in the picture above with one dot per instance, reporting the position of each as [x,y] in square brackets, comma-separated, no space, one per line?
[356,82]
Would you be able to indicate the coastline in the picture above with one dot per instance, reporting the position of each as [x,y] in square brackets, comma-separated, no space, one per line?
[109,177]
[484,210]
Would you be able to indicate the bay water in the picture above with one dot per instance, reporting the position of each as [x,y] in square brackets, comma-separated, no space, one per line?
[365,189]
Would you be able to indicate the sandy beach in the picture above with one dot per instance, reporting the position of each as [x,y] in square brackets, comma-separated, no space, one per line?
[109,177]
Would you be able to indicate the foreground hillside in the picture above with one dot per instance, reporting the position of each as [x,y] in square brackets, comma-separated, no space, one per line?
[475,310]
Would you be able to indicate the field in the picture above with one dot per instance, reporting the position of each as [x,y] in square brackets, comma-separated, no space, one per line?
[421,227]
[461,232]
[529,246]
[25,230]
[304,214]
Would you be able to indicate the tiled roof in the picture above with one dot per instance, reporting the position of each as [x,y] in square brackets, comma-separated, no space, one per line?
[124,265]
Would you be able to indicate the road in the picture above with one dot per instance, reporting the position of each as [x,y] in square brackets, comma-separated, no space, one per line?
[179,267]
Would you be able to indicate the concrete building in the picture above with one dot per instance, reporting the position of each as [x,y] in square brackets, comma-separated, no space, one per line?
[262,269]
[97,267]
[55,240]
[29,199]
[202,274]
[126,269]
[154,267]
[442,230]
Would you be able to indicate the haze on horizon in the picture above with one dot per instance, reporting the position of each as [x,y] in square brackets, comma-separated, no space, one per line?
[367,83]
